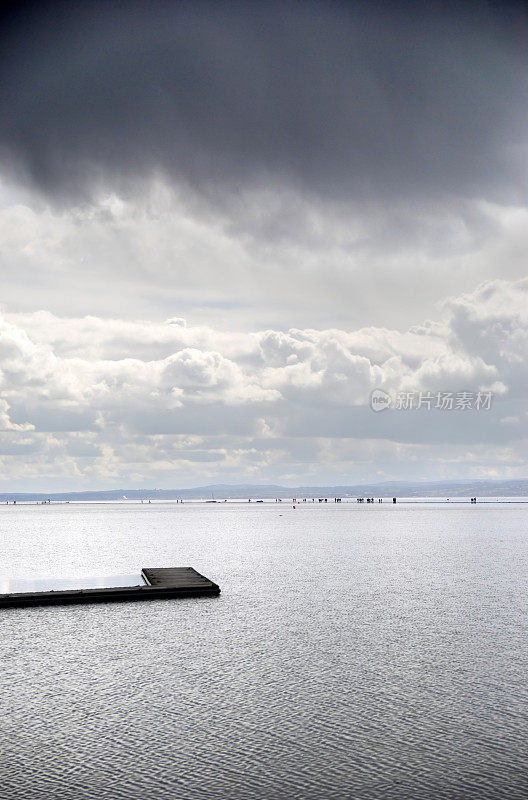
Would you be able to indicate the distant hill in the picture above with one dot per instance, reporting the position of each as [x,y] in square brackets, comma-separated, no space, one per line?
[221,491]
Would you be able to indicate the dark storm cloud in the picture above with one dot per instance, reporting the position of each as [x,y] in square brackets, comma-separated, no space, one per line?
[354,101]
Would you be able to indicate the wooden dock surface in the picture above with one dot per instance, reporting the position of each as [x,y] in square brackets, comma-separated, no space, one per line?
[183,577]
[160,582]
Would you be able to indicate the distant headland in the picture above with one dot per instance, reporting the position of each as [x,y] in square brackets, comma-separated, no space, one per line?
[461,488]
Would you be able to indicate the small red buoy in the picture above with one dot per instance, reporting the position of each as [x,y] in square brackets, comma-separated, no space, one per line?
[294,506]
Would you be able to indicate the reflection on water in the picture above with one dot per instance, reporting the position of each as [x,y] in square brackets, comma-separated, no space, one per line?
[49,584]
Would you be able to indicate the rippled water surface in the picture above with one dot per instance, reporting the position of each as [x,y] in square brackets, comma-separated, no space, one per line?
[355,652]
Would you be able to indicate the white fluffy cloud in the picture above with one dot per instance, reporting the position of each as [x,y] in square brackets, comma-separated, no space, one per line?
[125,401]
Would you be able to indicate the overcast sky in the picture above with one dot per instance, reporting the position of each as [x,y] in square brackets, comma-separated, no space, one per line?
[223,225]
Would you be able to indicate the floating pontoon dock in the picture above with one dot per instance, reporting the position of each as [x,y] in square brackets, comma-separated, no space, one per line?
[158,583]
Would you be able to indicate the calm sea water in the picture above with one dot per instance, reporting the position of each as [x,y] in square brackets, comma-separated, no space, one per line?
[356,652]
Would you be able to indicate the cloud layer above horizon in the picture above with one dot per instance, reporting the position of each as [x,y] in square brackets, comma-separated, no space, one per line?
[93,399]
[332,195]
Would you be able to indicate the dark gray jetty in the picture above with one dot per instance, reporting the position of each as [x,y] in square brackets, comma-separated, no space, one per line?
[159,583]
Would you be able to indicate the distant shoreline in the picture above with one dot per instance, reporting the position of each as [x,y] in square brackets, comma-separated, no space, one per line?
[418,490]
[257,501]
